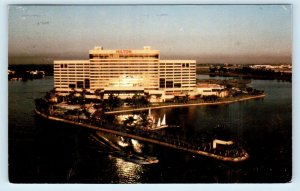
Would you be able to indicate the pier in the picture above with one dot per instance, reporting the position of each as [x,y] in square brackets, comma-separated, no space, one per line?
[204,149]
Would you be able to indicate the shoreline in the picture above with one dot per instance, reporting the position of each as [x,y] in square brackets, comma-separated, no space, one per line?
[187,104]
[154,141]
[146,139]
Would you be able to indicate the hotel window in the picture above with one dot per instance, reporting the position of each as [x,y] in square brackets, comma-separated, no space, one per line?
[64,65]
[162,83]
[79,84]
[169,84]
[177,85]
[71,85]
[87,83]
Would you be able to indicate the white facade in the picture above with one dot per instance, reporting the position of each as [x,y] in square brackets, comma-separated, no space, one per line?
[177,76]
[125,72]
[71,74]
[211,89]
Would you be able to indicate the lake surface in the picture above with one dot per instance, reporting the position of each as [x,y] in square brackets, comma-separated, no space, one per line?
[49,152]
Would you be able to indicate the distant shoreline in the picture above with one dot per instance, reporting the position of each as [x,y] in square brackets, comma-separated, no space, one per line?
[187,104]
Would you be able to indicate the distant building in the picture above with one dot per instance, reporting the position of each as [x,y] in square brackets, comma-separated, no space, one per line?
[126,73]
[10,72]
[264,66]
[284,68]
[36,72]
[211,89]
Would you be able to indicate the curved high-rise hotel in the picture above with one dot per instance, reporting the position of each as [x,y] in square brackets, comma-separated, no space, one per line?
[125,73]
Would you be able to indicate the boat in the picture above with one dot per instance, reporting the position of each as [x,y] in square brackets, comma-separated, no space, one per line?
[161,124]
[135,158]
[142,159]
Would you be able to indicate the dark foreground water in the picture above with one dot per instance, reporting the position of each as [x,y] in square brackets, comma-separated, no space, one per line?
[49,152]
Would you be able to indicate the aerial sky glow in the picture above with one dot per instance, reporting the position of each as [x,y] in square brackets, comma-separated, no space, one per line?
[207,33]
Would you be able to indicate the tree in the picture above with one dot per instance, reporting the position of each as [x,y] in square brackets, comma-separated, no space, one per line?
[99,94]
[181,99]
[143,101]
[129,121]
[129,101]
[71,97]
[144,120]
[113,101]
[83,93]
[140,100]
[42,104]
[186,98]
[210,98]
[212,69]
[50,94]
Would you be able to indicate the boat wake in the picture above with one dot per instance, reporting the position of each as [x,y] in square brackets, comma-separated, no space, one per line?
[124,153]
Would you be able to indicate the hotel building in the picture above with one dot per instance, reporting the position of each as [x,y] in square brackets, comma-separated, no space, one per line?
[125,73]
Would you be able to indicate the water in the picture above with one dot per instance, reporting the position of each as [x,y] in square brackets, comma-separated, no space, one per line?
[49,152]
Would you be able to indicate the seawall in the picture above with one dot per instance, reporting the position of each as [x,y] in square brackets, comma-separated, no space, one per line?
[186,105]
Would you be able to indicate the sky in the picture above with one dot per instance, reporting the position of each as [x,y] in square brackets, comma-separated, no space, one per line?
[206,33]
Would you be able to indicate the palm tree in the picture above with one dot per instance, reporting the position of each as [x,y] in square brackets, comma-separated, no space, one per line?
[113,101]
[71,97]
[144,101]
[99,94]
[134,99]
[82,95]
[129,121]
[140,100]
[144,120]
[186,98]
[129,101]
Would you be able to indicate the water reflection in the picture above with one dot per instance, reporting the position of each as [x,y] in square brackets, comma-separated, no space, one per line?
[128,172]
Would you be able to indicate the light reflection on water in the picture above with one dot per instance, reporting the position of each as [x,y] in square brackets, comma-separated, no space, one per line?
[128,172]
